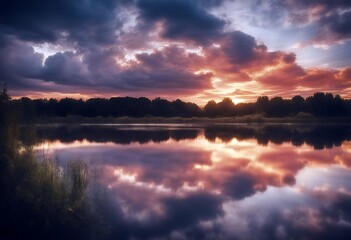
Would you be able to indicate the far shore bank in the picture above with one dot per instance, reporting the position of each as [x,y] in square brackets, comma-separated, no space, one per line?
[255,119]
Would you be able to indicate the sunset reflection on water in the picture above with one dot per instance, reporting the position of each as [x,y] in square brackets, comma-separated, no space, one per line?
[189,182]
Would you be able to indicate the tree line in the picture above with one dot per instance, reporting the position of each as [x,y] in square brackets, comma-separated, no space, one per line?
[318,105]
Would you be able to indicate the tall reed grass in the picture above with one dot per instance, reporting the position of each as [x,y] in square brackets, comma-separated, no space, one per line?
[40,199]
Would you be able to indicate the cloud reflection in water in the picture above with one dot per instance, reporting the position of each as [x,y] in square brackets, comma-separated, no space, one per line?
[219,184]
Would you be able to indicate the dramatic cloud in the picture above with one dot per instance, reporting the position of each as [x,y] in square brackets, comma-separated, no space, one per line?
[165,69]
[83,21]
[19,62]
[181,19]
[199,49]
[337,26]
[64,68]
[169,68]
[331,19]
[237,51]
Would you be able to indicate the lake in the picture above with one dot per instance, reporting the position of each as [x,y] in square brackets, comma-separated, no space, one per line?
[176,181]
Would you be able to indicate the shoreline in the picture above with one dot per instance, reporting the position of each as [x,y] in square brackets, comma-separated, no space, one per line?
[193,120]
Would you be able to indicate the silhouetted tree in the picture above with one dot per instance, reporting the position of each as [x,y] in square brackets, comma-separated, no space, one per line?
[320,105]
[243,109]
[28,110]
[97,107]
[278,107]
[298,104]
[183,109]
[4,96]
[4,105]
[326,105]
[210,109]
[262,104]
[226,107]
[162,108]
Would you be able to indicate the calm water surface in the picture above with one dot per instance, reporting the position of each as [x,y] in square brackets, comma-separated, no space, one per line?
[216,182]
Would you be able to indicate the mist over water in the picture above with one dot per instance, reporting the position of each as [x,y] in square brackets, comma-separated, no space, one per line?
[215,182]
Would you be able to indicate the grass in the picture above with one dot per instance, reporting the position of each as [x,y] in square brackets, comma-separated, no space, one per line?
[42,200]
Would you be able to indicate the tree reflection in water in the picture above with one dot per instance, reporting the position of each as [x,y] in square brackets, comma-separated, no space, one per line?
[216,182]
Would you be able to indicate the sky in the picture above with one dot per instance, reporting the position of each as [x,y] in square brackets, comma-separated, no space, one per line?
[195,50]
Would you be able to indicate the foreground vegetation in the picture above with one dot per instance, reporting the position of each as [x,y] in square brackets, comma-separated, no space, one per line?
[40,199]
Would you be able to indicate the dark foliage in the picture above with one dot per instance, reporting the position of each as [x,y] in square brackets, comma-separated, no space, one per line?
[38,198]
[318,105]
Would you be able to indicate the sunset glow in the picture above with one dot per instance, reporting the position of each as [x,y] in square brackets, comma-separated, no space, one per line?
[201,50]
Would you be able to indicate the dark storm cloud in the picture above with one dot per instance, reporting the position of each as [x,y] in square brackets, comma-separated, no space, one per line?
[167,68]
[64,68]
[240,53]
[182,19]
[19,62]
[102,35]
[333,18]
[101,64]
[159,70]
[239,47]
[339,25]
[88,26]
[49,21]
[209,3]
[140,79]
[98,21]
[91,27]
